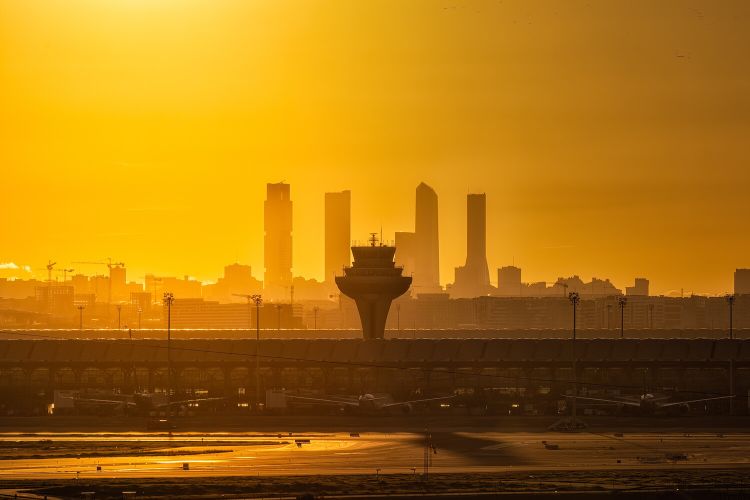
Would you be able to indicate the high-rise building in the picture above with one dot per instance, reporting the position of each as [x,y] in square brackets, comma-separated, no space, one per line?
[278,239]
[742,281]
[405,251]
[426,243]
[509,281]
[473,279]
[337,233]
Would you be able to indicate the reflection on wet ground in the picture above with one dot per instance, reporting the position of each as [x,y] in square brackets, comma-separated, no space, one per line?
[138,454]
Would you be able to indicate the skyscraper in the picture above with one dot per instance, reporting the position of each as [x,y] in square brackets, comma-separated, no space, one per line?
[426,244]
[405,251]
[473,279]
[337,233]
[278,239]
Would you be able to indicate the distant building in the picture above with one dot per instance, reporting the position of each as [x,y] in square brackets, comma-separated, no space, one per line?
[185,288]
[594,288]
[640,287]
[742,282]
[199,313]
[473,279]
[237,280]
[56,300]
[278,240]
[509,281]
[405,252]
[426,242]
[337,234]
[118,284]
[310,289]
[141,301]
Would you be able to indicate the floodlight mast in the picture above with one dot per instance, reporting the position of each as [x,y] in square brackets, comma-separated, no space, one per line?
[621,302]
[257,300]
[168,301]
[730,300]
[575,299]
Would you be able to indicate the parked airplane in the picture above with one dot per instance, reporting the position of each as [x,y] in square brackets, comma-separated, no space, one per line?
[649,403]
[139,402]
[366,402]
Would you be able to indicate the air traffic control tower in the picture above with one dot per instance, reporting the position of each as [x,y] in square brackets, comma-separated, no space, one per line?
[373,281]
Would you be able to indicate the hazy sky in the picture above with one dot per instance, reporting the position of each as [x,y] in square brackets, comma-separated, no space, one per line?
[612,137]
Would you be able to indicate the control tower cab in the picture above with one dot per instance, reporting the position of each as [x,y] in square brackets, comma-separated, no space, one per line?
[373,281]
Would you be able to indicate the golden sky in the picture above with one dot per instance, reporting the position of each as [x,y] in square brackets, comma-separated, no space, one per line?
[612,137]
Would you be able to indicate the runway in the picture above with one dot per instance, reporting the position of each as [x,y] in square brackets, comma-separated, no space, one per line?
[154,455]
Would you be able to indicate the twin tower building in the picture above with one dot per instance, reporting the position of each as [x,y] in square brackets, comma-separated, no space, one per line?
[277,222]
[374,280]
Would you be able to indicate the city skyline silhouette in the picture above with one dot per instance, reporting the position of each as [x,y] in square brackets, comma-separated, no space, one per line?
[609,138]
[19,268]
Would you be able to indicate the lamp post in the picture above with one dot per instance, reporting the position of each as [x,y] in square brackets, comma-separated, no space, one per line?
[730,300]
[315,318]
[574,300]
[258,300]
[80,316]
[119,315]
[621,301]
[398,318]
[651,316]
[168,300]
[140,311]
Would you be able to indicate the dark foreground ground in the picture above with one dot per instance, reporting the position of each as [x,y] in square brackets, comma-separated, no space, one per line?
[707,484]
[521,472]
[382,423]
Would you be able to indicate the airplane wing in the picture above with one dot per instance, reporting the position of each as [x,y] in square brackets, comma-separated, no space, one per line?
[187,401]
[323,400]
[113,402]
[677,403]
[610,401]
[400,403]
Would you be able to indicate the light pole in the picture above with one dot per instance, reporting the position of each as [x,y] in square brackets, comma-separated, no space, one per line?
[398,318]
[651,316]
[168,300]
[315,318]
[119,315]
[258,300]
[574,300]
[621,301]
[80,316]
[140,311]
[730,300]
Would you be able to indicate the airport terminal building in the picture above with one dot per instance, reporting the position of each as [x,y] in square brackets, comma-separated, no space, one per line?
[490,373]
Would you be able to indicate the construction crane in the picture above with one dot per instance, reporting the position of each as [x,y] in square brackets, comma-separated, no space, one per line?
[109,265]
[50,266]
[559,283]
[65,273]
